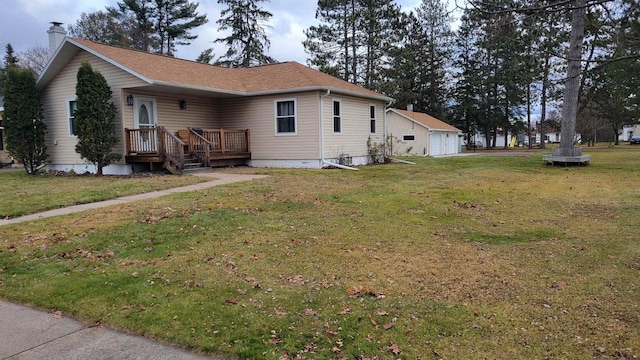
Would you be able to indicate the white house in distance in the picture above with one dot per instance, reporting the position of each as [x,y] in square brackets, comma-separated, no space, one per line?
[173,113]
[419,134]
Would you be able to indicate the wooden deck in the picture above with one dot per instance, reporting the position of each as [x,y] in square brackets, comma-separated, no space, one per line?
[175,152]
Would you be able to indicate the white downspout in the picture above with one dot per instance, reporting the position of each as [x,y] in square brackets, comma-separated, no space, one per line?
[324,162]
[387,105]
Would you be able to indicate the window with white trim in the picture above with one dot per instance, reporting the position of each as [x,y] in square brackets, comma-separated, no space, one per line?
[337,117]
[372,119]
[286,122]
[72,106]
[408,137]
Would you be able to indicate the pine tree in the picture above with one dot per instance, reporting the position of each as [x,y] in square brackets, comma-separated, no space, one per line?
[401,77]
[434,40]
[23,119]
[174,21]
[105,27]
[138,15]
[10,60]
[354,39]
[333,44]
[248,42]
[94,119]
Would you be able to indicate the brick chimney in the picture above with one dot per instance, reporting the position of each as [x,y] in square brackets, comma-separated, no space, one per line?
[56,36]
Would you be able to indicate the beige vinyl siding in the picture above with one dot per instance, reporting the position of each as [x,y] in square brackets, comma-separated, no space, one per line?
[61,146]
[258,115]
[355,127]
[200,112]
[397,127]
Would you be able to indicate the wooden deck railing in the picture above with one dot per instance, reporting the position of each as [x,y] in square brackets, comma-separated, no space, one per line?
[172,148]
[200,147]
[159,145]
[142,141]
[227,141]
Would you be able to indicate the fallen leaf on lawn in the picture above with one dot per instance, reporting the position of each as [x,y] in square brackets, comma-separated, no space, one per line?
[381,313]
[309,312]
[280,313]
[147,249]
[373,321]
[135,274]
[232,301]
[395,349]
[57,315]
[272,341]
[335,350]
[127,307]
[344,311]
[356,291]
[388,325]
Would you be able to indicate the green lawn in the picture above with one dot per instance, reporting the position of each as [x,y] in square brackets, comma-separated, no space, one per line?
[495,257]
[27,194]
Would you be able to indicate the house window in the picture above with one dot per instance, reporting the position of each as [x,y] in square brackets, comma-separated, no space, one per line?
[372,119]
[285,117]
[337,118]
[72,106]
[409,137]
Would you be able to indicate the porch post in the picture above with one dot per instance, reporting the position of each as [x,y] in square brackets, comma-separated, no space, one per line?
[222,141]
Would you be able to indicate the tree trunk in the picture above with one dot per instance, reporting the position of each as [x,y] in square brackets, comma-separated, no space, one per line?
[529,115]
[543,101]
[572,83]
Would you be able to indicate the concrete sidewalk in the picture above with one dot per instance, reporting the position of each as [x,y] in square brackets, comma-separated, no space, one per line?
[29,334]
[220,179]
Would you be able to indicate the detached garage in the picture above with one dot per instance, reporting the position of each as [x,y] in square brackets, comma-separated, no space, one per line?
[417,134]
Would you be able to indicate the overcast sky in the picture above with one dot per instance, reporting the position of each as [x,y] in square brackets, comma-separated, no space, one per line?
[24,23]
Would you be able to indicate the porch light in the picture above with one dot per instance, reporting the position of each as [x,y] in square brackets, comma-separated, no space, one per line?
[183,104]
[130,100]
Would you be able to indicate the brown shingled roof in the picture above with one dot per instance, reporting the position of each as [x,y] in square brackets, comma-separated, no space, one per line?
[285,76]
[427,120]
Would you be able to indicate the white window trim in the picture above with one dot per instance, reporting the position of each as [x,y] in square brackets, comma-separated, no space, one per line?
[295,117]
[136,99]
[67,102]
[375,111]
[403,137]
[333,127]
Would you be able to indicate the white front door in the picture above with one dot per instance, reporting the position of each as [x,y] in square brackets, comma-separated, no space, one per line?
[145,114]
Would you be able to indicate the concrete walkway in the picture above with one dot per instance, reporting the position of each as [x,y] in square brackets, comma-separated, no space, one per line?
[29,334]
[219,179]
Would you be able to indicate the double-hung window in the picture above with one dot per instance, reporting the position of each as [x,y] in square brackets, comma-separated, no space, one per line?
[372,119]
[72,106]
[337,117]
[285,117]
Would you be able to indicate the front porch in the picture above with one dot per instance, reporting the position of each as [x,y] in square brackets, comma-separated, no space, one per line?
[185,149]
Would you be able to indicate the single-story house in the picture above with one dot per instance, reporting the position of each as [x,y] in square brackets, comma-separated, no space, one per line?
[171,111]
[418,134]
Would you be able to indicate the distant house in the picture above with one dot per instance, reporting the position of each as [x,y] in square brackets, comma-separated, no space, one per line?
[172,113]
[414,133]
[628,131]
